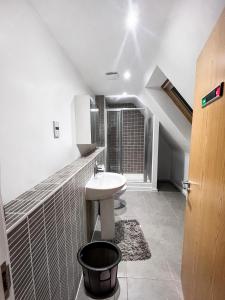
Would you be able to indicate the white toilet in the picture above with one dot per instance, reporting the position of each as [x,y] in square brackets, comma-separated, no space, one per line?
[118,202]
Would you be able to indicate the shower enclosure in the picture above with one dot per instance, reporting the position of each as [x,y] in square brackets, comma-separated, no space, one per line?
[128,143]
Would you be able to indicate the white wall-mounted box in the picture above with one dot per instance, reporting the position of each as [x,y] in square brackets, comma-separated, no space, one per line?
[83,119]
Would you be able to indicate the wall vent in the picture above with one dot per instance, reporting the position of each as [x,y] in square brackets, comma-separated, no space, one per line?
[112,75]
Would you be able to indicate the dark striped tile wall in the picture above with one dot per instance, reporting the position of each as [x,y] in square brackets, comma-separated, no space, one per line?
[100,102]
[45,235]
[133,141]
[21,262]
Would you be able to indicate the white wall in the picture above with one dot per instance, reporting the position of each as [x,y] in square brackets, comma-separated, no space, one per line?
[37,86]
[167,105]
[173,163]
[169,116]
[173,156]
[180,167]
[164,159]
[190,25]
[180,47]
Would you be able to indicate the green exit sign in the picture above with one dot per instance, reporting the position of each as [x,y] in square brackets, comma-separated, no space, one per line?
[213,95]
[204,102]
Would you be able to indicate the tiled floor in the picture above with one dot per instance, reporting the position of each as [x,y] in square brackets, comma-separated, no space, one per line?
[161,217]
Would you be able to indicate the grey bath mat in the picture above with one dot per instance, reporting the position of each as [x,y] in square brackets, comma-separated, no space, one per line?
[131,241]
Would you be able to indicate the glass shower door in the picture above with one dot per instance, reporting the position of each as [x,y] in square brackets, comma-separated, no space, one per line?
[128,145]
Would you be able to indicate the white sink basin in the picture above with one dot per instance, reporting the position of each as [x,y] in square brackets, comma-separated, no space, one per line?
[103,185]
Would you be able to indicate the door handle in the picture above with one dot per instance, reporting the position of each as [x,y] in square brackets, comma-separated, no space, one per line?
[186,185]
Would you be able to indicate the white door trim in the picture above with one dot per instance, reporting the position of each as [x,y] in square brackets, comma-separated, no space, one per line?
[4,250]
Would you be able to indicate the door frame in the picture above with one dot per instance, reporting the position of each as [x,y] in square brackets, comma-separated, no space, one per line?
[4,251]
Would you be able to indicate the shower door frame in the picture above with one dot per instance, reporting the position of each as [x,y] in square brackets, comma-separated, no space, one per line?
[146,133]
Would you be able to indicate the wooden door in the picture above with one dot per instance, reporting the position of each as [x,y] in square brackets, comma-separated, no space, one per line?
[203,265]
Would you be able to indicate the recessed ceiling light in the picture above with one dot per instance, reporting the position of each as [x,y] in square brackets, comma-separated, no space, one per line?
[127,75]
[124,94]
[132,18]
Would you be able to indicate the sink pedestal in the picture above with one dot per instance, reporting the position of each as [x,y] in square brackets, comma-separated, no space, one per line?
[102,187]
[107,219]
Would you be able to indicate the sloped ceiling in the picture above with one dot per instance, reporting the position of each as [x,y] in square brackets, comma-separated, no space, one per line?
[169,34]
[94,36]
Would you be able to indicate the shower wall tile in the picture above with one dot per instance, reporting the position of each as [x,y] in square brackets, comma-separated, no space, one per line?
[44,236]
[113,142]
[100,102]
[133,141]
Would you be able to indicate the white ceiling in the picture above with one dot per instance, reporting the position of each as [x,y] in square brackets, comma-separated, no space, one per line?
[93,34]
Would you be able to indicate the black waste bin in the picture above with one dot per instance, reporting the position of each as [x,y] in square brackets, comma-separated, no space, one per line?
[99,261]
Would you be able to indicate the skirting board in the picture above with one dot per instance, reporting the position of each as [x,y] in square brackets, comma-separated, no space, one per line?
[180,188]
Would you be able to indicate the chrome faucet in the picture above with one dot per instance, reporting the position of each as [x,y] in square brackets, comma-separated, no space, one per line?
[98,168]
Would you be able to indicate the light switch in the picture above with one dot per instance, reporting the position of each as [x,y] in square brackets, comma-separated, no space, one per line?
[56,129]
